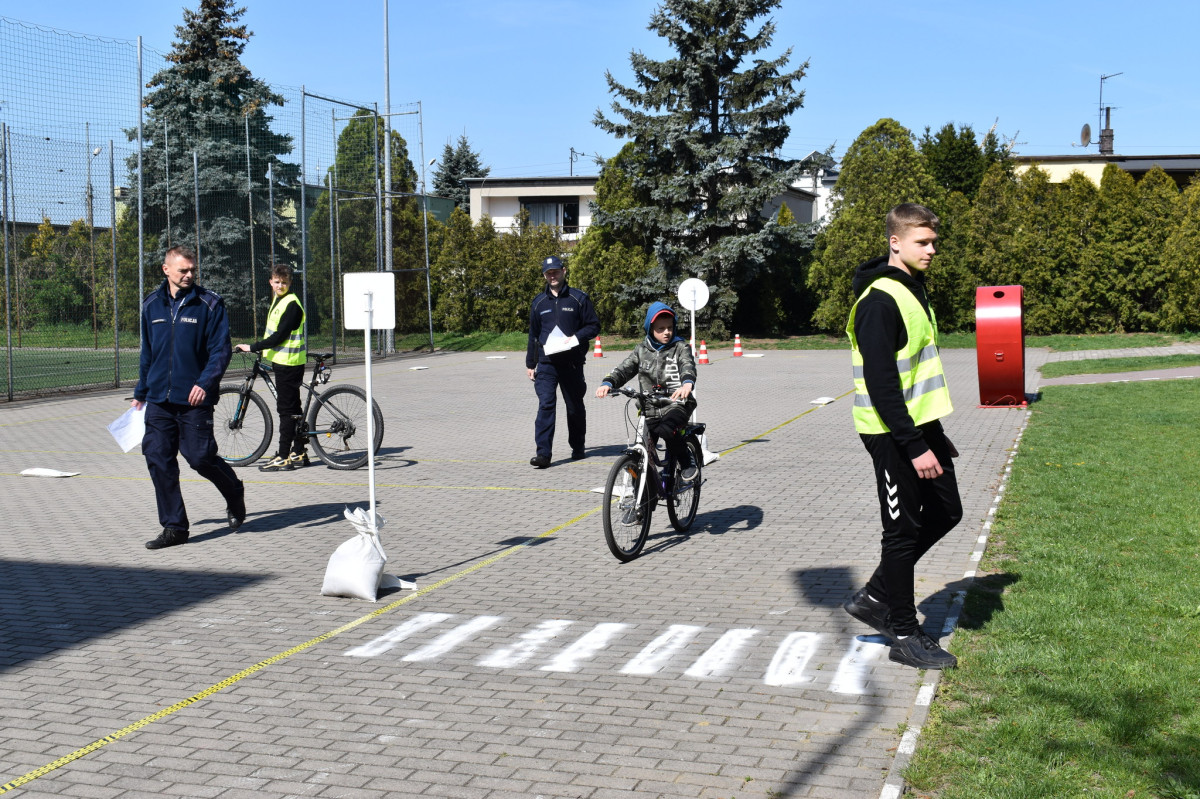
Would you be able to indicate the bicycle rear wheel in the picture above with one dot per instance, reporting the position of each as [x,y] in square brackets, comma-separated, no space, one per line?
[337,427]
[242,425]
[685,495]
[626,521]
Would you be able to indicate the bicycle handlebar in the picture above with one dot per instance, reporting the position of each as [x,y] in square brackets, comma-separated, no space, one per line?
[641,396]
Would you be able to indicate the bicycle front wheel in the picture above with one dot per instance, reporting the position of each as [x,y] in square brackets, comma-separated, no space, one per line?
[337,427]
[685,495]
[626,521]
[242,425]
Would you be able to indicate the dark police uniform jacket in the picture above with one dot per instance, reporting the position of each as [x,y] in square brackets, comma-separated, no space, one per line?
[187,347]
[572,312]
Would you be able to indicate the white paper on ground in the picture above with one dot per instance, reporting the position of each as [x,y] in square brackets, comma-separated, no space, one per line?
[129,428]
[821,401]
[38,471]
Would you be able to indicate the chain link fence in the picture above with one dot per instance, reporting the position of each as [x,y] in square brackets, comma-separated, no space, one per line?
[94,192]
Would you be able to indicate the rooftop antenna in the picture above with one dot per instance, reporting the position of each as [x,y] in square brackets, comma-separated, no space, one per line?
[1100,112]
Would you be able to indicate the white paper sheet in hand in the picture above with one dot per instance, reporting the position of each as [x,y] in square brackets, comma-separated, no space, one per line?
[129,428]
[556,342]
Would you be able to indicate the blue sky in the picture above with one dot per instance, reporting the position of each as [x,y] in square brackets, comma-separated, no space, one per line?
[523,78]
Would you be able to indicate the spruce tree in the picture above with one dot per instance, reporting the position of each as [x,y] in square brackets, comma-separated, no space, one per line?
[707,125]
[456,163]
[201,103]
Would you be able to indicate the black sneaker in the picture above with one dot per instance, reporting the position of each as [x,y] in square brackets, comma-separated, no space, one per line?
[870,612]
[539,461]
[278,464]
[235,512]
[169,537]
[578,455]
[922,652]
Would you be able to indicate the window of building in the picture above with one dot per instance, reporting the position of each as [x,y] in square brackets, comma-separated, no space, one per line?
[559,212]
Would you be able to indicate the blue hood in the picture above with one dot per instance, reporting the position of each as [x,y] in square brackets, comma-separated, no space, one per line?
[654,310]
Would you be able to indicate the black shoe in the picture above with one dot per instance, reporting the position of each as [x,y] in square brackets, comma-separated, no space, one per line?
[169,537]
[539,461]
[870,612]
[235,512]
[578,454]
[299,460]
[922,652]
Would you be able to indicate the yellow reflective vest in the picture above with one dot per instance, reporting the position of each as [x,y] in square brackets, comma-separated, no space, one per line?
[922,378]
[292,352]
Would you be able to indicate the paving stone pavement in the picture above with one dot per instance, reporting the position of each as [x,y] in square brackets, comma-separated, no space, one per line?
[528,662]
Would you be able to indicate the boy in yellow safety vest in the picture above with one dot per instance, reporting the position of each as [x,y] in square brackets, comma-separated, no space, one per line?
[283,345]
[900,395]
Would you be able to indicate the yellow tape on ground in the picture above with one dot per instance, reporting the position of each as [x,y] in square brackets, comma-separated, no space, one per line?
[257,667]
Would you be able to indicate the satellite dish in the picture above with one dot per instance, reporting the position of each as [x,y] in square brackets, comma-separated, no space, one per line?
[1085,135]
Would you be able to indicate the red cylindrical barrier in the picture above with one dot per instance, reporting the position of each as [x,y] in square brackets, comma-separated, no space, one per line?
[1000,345]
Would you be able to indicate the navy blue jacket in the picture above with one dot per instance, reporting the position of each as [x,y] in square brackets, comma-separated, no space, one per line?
[188,348]
[572,312]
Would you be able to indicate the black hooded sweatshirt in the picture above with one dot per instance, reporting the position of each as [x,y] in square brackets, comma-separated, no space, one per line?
[880,332]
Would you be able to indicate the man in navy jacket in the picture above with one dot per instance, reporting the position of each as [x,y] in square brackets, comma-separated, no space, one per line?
[185,350]
[569,311]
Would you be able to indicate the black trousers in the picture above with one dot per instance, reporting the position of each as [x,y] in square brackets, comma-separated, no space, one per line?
[916,514]
[567,378]
[288,380]
[669,429]
[173,429]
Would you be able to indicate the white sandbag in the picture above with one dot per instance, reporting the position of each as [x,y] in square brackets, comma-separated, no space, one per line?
[356,567]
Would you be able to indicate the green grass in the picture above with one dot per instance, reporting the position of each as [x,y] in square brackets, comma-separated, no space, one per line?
[1079,674]
[1095,366]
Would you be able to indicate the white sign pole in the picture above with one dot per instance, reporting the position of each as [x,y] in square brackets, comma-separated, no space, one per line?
[693,295]
[370,411]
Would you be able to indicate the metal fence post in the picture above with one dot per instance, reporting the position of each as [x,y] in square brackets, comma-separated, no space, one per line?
[112,229]
[196,189]
[4,229]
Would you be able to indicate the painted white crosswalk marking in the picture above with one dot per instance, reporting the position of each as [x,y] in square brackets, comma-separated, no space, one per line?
[587,646]
[397,634]
[787,667]
[664,655]
[720,656]
[526,646]
[851,676]
[656,654]
[447,641]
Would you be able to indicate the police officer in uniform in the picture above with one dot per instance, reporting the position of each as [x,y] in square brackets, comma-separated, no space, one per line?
[185,350]
[570,312]
[284,346]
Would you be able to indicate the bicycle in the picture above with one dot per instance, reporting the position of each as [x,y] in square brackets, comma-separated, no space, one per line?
[635,483]
[334,420]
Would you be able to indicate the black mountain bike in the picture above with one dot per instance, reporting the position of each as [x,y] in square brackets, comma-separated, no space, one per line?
[333,419]
[640,478]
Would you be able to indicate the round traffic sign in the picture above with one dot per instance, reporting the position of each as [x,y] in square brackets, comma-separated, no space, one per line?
[693,294]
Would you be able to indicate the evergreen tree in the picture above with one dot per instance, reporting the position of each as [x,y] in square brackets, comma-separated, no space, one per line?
[954,159]
[1142,289]
[880,170]
[458,272]
[353,178]
[609,264]
[201,104]
[707,126]
[994,219]
[456,163]
[1181,254]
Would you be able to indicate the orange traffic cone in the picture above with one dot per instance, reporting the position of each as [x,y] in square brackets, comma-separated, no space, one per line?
[703,353]
[737,346]
[598,352]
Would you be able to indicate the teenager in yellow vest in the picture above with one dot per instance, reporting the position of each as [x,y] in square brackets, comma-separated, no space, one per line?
[283,345]
[899,399]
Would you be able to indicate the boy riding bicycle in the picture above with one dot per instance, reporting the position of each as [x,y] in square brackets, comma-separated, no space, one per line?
[662,360]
